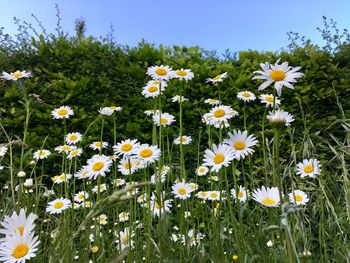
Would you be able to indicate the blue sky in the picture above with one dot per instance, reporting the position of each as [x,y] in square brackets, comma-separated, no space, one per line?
[213,25]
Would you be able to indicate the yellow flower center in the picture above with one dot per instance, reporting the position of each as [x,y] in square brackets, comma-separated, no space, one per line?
[183,139]
[239,145]
[127,166]
[268,202]
[125,239]
[214,195]
[21,229]
[203,194]
[161,72]
[84,174]
[65,148]
[145,153]
[163,120]
[217,77]
[58,205]
[73,137]
[98,144]
[269,99]
[219,113]
[81,196]
[75,152]
[62,112]
[16,74]
[182,191]
[308,168]
[159,205]
[42,153]
[152,89]
[299,198]
[94,249]
[212,100]
[240,194]
[113,107]
[277,75]
[219,158]
[181,73]
[126,147]
[246,94]
[201,170]
[20,251]
[101,187]
[98,166]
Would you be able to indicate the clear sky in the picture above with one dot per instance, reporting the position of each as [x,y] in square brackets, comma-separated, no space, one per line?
[212,24]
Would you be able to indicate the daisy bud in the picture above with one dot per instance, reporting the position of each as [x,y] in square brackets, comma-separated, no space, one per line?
[277,120]
[28,183]
[269,243]
[21,174]
[94,249]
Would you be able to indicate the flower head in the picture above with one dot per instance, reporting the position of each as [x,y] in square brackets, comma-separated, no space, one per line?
[98,165]
[280,118]
[57,206]
[164,119]
[16,75]
[267,196]
[246,96]
[221,155]
[218,78]
[160,72]
[268,100]
[309,168]
[183,74]
[241,143]
[63,112]
[281,75]
[298,197]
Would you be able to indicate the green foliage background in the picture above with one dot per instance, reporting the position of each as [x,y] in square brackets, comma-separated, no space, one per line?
[87,73]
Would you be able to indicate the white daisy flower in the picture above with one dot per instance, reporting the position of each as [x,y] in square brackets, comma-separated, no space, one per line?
[221,114]
[98,165]
[221,155]
[82,173]
[101,188]
[58,205]
[3,150]
[81,196]
[28,183]
[41,154]
[178,98]
[124,216]
[164,119]
[298,197]
[98,145]
[202,170]
[152,90]
[241,143]
[181,190]
[246,96]
[183,74]
[212,101]
[160,206]
[125,238]
[64,148]
[16,75]
[147,153]
[156,178]
[18,248]
[128,165]
[213,195]
[281,75]
[74,153]
[160,73]
[267,196]
[126,147]
[119,182]
[241,195]
[62,112]
[218,78]
[18,223]
[268,100]
[184,140]
[102,219]
[58,179]
[73,138]
[280,117]
[309,168]
[202,195]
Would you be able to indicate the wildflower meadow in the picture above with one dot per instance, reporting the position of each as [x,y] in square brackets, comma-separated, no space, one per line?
[173,155]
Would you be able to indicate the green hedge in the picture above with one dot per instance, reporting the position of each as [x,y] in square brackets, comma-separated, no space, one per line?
[87,74]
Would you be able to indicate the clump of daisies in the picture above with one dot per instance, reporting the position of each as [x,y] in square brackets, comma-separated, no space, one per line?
[20,243]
